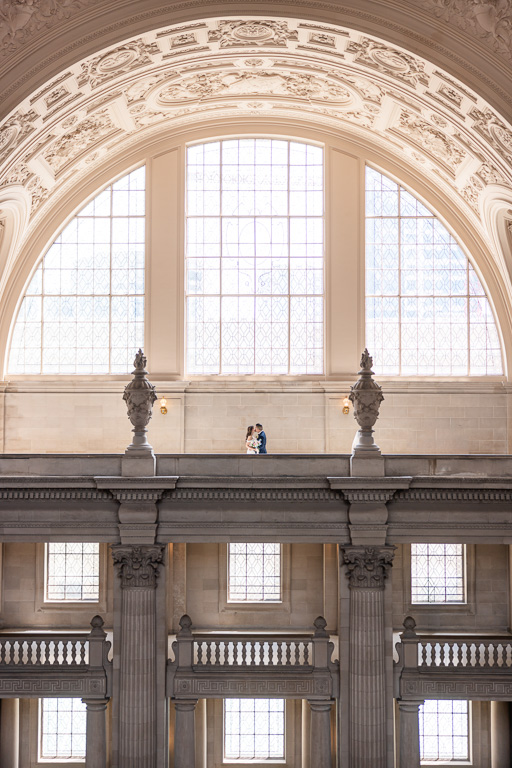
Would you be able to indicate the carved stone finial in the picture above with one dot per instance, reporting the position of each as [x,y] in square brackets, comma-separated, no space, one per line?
[366,397]
[186,626]
[320,625]
[367,567]
[409,627]
[97,627]
[138,566]
[139,396]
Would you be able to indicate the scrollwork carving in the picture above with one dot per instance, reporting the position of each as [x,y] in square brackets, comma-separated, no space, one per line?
[367,567]
[138,566]
[243,32]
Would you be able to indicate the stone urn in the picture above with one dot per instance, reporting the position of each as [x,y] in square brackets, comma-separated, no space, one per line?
[366,397]
[139,396]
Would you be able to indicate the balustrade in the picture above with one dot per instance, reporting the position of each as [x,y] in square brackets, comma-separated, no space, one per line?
[473,652]
[228,651]
[43,650]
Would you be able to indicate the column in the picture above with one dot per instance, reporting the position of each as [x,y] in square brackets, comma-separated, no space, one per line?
[320,734]
[184,734]
[9,732]
[500,735]
[367,568]
[409,734]
[96,738]
[306,734]
[138,569]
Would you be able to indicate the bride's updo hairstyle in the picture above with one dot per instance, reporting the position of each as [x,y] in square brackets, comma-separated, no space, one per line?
[249,432]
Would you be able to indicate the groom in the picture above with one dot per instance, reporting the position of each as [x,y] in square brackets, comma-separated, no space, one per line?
[262,438]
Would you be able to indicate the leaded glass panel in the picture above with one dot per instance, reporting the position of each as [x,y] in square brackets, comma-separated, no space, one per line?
[255,246]
[254,729]
[72,572]
[444,731]
[426,309]
[83,311]
[62,729]
[254,572]
[437,573]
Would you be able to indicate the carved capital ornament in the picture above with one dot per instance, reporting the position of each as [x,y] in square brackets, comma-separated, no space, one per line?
[368,567]
[138,566]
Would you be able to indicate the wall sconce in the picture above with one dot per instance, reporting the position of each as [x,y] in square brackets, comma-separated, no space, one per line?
[346,405]
[163,405]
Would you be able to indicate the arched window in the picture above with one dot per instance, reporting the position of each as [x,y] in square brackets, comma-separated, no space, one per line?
[255,257]
[83,312]
[426,309]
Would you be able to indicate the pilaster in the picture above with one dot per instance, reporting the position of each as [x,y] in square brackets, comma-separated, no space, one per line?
[409,733]
[320,734]
[184,736]
[138,568]
[366,569]
[96,738]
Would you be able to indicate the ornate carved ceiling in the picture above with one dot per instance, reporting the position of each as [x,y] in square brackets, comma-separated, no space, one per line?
[233,67]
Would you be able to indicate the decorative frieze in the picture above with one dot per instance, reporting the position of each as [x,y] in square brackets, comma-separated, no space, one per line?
[138,566]
[295,495]
[367,567]
[255,33]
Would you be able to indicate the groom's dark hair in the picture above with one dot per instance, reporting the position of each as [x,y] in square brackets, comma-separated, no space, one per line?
[259,425]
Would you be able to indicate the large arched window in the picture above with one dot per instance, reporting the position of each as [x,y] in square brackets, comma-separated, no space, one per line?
[255,257]
[83,312]
[426,309]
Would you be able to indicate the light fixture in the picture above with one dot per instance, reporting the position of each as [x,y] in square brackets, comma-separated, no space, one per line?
[163,405]
[346,405]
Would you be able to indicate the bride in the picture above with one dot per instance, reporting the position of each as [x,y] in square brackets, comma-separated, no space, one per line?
[251,440]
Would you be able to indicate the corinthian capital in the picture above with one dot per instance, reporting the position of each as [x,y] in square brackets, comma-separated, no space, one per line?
[138,566]
[367,567]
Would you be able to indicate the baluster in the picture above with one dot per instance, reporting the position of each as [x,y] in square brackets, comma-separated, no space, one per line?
[2,651]
[38,652]
[297,654]
[199,647]
[423,654]
[244,653]
[306,653]
[47,646]
[477,654]
[288,654]
[83,647]
[496,655]
[11,651]
[253,653]
[458,660]
[262,653]
[226,653]
[235,653]
[209,652]
[65,652]
[280,654]
[450,653]
[486,654]
[217,653]
[74,646]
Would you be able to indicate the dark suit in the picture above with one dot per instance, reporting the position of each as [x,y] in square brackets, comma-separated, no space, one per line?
[263,441]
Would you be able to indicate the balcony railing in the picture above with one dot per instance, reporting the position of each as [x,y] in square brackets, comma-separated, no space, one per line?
[223,665]
[453,667]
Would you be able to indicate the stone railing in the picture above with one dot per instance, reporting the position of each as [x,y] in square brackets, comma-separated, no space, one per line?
[223,665]
[452,667]
[52,664]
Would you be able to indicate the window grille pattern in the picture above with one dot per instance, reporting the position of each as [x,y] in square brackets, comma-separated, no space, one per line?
[254,729]
[444,731]
[255,257]
[62,729]
[83,311]
[72,572]
[437,573]
[254,572]
[426,309]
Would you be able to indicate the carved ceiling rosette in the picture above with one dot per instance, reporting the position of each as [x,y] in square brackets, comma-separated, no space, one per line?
[139,396]
[138,566]
[367,567]
[366,397]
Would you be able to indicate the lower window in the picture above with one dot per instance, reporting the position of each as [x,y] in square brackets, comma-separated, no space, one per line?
[254,730]
[444,731]
[62,730]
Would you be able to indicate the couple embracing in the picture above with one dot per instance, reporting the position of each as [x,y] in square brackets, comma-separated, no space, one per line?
[256,439]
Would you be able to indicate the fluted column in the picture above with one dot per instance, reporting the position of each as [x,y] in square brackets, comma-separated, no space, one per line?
[96,735]
[366,570]
[409,734]
[184,734]
[138,570]
[320,734]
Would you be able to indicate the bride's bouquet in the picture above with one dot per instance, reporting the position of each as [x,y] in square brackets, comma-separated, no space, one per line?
[254,443]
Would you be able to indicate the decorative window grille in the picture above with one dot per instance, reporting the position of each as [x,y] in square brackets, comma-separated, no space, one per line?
[72,572]
[254,573]
[83,311]
[444,731]
[254,729]
[437,573]
[255,257]
[426,310]
[62,730]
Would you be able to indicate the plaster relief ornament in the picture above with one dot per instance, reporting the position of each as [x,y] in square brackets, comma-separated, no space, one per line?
[84,135]
[368,567]
[138,566]
[499,136]
[139,396]
[117,62]
[391,61]
[21,18]
[431,138]
[258,33]
[15,130]
[366,397]
[488,20]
